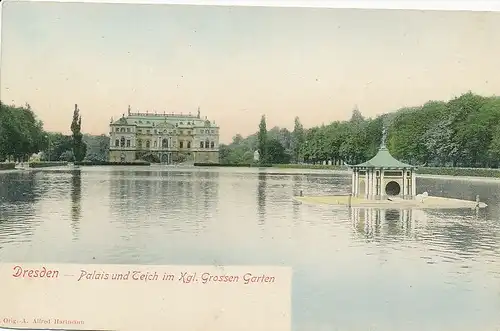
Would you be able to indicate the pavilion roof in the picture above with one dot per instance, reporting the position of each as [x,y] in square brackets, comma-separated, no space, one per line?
[383,159]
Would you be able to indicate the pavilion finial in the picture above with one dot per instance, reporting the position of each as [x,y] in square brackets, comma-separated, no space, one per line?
[384,137]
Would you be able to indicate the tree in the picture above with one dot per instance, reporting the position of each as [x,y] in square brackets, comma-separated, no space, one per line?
[97,147]
[297,139]
[79,147]
[464,131]
[21,134]
[276,153]
[58,148]
[262,140]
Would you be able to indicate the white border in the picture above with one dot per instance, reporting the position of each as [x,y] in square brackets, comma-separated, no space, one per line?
[462,5]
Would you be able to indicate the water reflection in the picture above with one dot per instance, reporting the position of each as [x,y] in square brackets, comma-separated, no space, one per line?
[465,234]
[19,191]
[433,269]
[378,224]
[261,197]
[163,198]
[296,190]
[19,187]
[76,198]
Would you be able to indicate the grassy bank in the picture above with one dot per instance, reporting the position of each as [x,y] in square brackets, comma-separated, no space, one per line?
[106,163]
[310,166]
[7,166]
[47,164]
[237,165]
[464,172]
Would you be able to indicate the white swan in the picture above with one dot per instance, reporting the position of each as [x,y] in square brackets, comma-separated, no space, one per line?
[422,196]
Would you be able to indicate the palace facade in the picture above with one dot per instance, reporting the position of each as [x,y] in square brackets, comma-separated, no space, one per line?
[167,137]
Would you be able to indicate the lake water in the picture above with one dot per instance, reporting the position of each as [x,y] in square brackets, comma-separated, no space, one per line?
[418,270]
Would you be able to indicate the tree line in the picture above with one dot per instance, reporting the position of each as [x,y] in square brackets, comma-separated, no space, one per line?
[462,132]
[22,135]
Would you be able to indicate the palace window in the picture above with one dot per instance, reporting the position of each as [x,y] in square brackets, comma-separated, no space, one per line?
[181,144]
[139,143]
[164,143]
[128,129]
[201,144]
[148,144]
[207,143]
[128,142]
[117,143]
[188,144]
[122,142]
[212,145]
[155,144]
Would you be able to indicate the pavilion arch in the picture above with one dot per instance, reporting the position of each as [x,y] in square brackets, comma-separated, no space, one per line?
[392,188]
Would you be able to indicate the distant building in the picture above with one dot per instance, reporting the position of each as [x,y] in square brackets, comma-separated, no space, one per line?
[170,138]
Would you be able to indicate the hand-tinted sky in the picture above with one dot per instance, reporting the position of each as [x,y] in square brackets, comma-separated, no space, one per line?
[237,63]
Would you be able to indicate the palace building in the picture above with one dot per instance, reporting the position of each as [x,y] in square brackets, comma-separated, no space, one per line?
[166,137]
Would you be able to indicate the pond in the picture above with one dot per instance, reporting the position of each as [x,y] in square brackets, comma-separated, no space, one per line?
[353,269]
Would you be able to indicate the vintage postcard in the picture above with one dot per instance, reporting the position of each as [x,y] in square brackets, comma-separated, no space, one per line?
[230,167]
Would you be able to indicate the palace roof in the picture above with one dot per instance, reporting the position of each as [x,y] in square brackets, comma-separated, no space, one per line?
[163,119]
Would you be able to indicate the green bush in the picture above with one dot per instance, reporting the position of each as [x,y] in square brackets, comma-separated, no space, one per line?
[221,165]
[107,163]
[310,166]
[233,165]
[42,164]
[7,166]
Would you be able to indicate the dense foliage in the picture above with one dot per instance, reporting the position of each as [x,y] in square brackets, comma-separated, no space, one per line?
[464,132]
[60,148]
[22,135]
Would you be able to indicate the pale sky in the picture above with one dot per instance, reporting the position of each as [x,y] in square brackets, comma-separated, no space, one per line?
[237,63]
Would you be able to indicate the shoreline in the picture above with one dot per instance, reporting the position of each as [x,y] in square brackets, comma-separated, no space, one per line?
[473,174]
[429,202]
[422,172]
